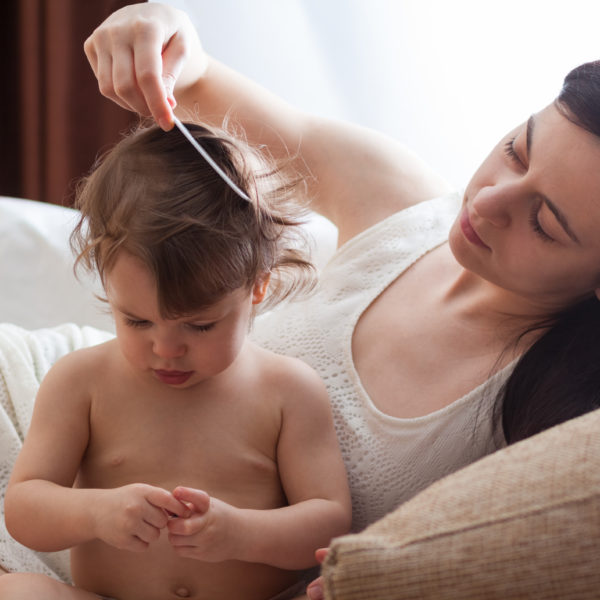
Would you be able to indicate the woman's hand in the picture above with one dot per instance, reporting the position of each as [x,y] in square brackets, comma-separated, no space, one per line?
[315,588]
[131,517]
[140,52]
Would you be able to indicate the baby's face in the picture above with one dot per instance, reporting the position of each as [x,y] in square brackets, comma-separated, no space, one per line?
[180,352]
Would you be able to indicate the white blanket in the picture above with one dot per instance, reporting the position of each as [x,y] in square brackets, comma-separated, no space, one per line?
[25,357]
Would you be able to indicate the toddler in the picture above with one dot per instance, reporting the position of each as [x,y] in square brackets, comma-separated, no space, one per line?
[180,460]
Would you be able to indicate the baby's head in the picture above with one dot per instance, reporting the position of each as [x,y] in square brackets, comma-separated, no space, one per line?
[156,198]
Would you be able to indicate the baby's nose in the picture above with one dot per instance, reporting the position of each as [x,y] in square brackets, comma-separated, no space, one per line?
[168,348]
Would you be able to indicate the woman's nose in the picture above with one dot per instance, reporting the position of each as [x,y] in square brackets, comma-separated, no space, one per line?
[495,204]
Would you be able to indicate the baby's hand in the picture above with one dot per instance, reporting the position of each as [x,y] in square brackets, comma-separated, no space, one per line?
[131,517]
[209,534]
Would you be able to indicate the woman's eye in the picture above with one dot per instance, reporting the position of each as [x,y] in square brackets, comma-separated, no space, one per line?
[534,222]
[509,149]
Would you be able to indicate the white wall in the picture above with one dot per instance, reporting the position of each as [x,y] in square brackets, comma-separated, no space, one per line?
[448,77]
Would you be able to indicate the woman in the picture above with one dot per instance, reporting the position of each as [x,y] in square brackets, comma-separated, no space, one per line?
[414,363]
[432,296]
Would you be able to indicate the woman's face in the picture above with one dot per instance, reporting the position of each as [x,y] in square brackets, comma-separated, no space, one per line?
[530,219]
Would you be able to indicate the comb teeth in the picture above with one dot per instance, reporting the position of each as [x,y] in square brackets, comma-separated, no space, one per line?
[208,158]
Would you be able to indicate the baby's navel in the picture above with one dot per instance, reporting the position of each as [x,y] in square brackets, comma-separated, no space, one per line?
[182,592]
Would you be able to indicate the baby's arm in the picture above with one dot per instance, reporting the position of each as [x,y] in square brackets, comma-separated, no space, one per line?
[42,510]
[314,480]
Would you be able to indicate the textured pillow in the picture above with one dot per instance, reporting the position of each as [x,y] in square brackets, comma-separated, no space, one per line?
[521,523]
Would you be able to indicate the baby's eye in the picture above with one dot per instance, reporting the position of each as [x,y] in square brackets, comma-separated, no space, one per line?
[137,323]
[203,327]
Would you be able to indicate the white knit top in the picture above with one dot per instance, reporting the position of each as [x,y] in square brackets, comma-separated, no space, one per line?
[388,459]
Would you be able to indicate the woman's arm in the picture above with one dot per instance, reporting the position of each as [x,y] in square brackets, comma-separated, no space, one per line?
[355,176]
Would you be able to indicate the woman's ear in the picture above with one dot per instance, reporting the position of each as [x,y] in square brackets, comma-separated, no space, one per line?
[259,291]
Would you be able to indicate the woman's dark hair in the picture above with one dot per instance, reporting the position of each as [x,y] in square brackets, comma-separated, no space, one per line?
[558,378]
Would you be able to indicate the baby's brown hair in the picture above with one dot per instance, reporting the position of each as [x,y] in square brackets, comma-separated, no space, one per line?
[155,197]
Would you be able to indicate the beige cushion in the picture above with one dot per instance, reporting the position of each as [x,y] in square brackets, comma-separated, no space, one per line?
[521,523]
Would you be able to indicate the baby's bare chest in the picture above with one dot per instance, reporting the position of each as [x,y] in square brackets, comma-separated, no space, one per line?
[225,446]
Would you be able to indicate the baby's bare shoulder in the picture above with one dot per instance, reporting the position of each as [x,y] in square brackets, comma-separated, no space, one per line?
[290,376]
[83,366]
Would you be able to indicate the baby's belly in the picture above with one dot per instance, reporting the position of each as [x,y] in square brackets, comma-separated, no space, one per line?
[159,574]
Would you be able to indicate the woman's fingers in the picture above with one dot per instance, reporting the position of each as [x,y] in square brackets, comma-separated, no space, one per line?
[148,94]
[137,55]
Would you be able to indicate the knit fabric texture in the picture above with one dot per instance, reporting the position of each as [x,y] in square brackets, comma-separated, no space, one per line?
[25,358]
[388,459]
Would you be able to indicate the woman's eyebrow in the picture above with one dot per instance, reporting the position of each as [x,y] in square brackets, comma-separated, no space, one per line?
[560,217]
[529,133]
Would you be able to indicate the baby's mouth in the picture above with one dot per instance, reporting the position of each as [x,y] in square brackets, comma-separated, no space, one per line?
[172,377]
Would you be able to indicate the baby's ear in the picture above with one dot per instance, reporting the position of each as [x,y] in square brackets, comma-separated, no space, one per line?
[260,288]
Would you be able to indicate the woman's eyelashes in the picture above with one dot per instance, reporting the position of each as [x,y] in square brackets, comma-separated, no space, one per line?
[509,149]
[534,222]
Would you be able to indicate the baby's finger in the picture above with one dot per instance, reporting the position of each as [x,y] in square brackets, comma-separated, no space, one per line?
[199,499]
[167,502]
[147,533]
[185,527]
[135,544]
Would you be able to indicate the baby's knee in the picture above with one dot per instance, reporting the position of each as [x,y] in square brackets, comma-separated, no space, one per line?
[27,586]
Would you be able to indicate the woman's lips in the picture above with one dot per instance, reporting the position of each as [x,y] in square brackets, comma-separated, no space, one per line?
[173,377]
[468,231]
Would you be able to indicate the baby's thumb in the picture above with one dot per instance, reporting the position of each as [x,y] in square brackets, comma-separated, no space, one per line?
[198,500]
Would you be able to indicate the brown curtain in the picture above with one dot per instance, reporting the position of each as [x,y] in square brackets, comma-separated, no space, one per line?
[55,119]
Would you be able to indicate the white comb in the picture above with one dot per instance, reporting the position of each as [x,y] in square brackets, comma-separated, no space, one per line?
[208,158]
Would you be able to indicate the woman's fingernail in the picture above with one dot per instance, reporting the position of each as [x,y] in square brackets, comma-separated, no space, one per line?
[315,592]
[165,124]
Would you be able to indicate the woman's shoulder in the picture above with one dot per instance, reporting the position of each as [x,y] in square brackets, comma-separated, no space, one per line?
[410,231]
[380,178]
